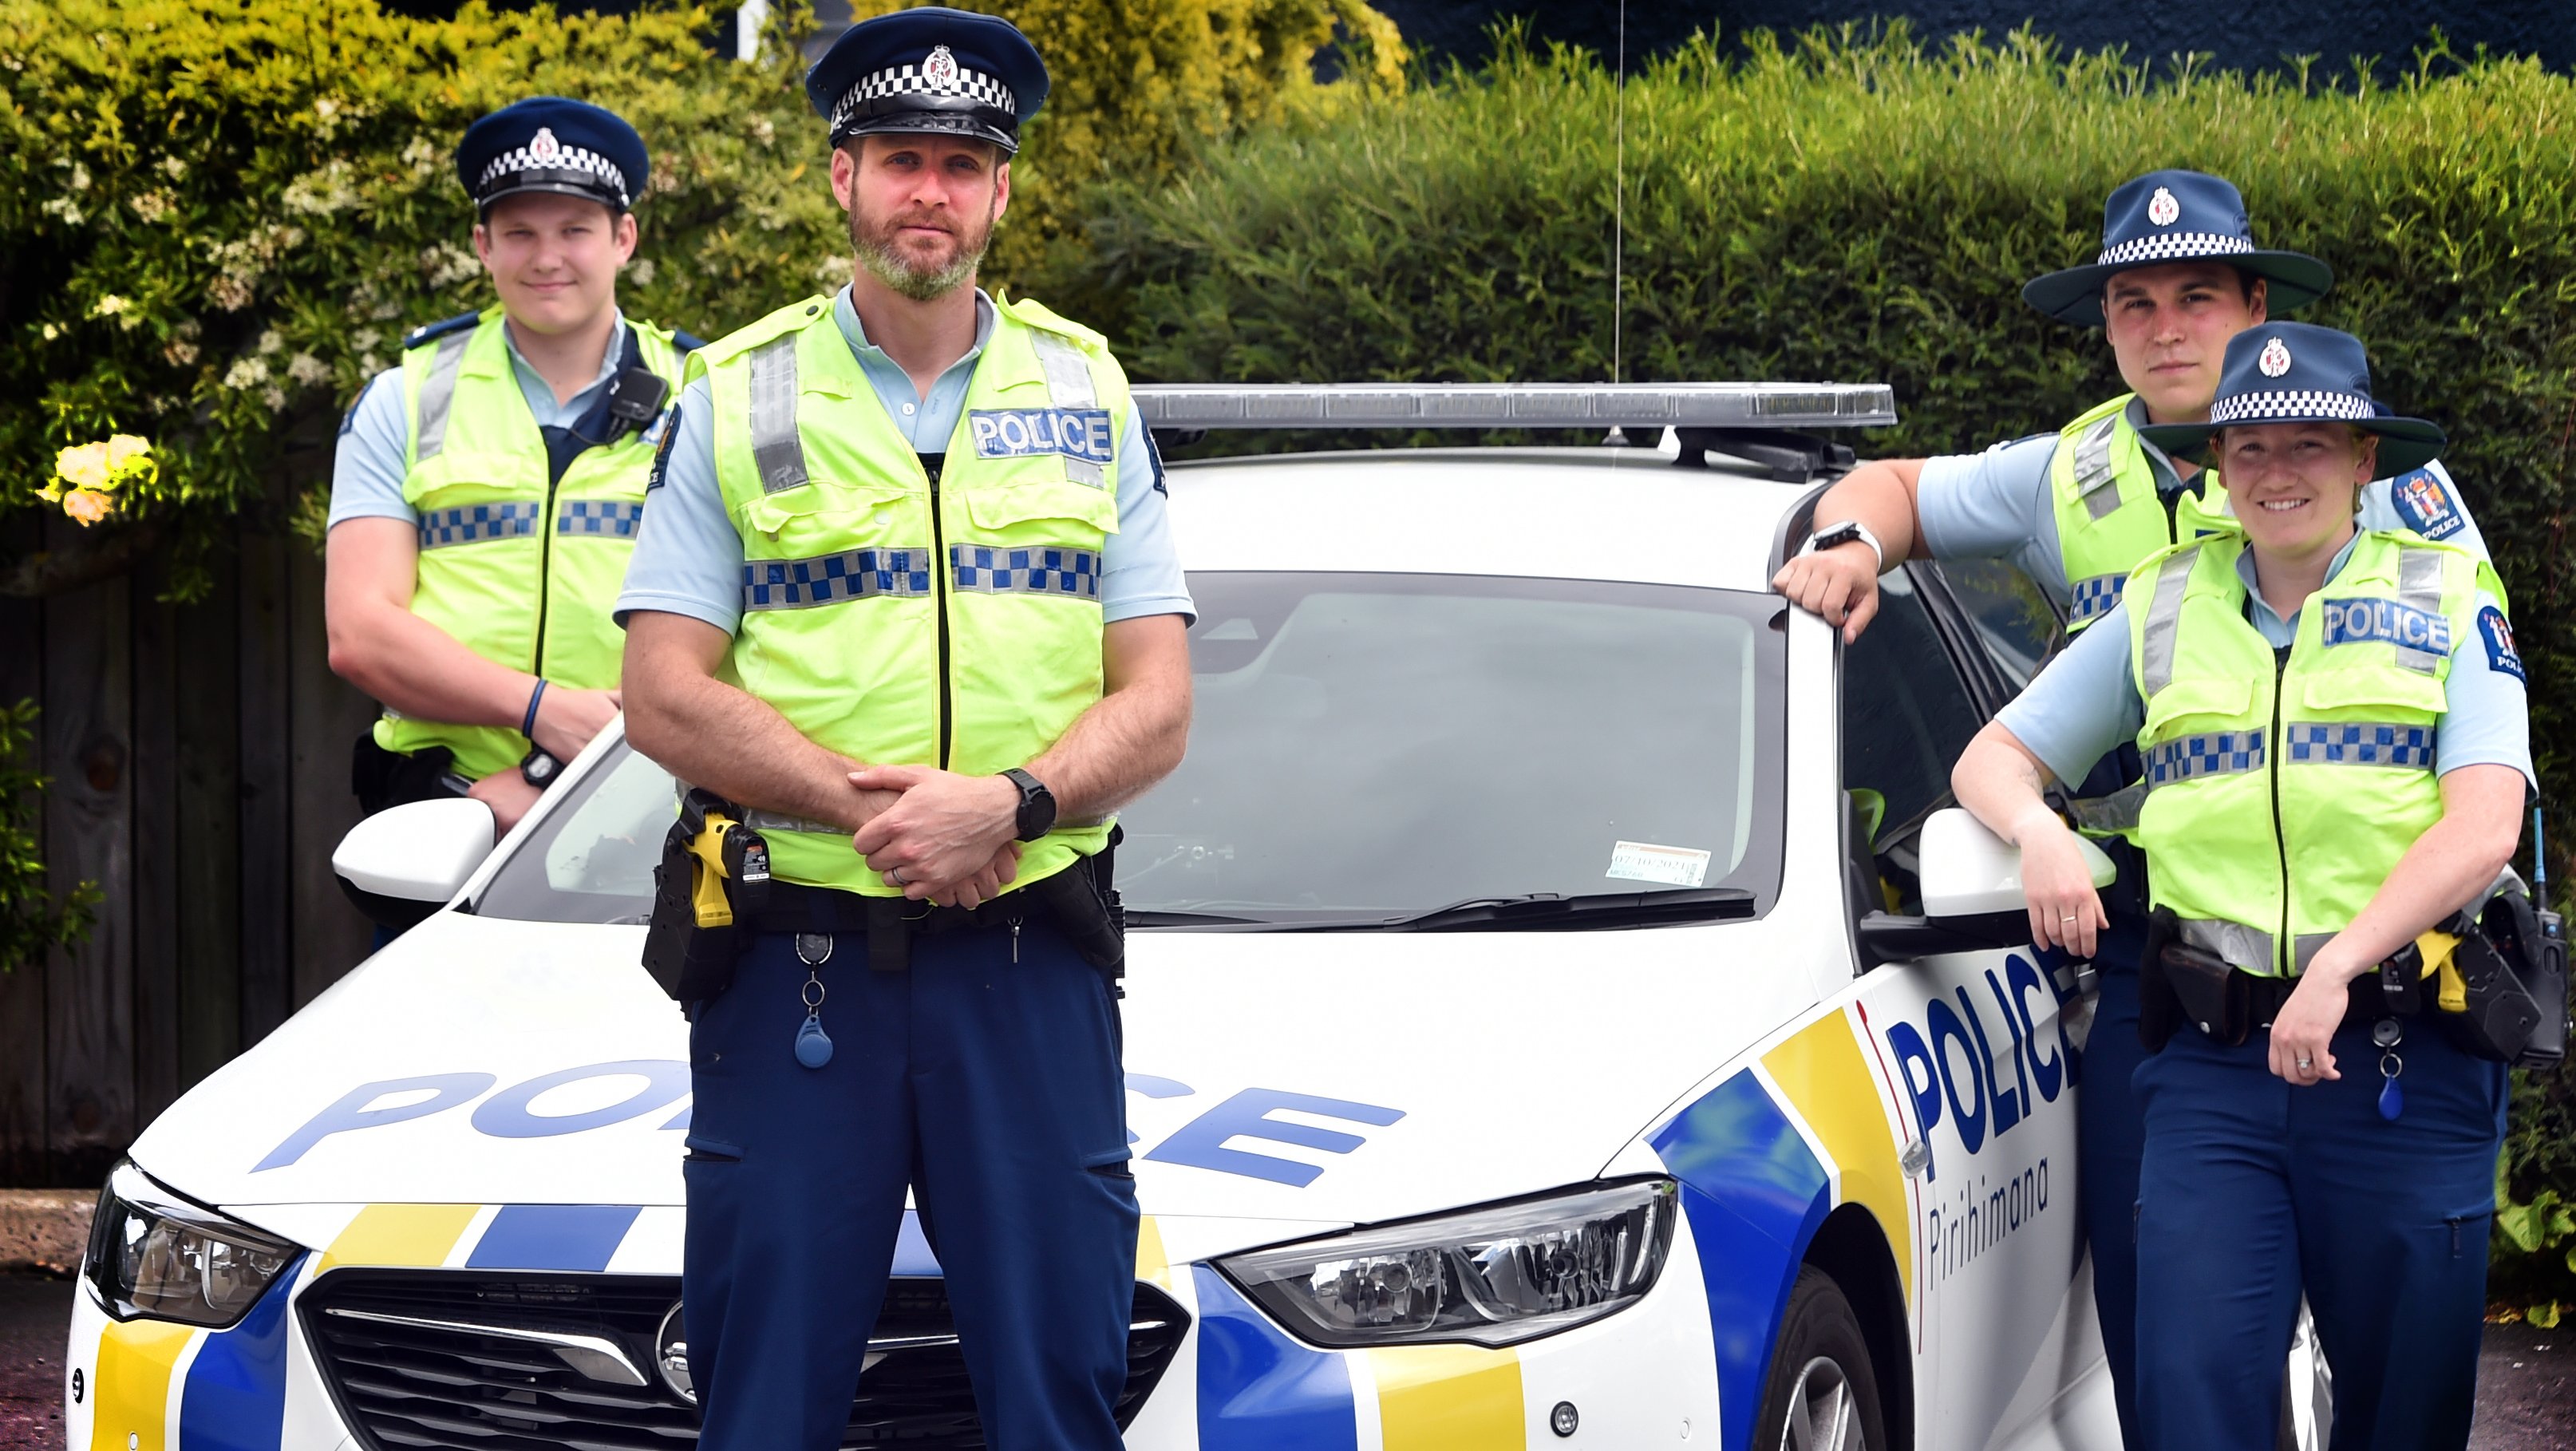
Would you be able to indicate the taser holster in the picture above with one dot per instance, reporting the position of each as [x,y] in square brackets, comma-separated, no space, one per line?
[714,871]
[2501,987]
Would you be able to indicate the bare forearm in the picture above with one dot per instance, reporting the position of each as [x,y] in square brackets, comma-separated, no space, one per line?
[420,670]
[1134,735]
[713,735]
[1879,495]
[2000,784]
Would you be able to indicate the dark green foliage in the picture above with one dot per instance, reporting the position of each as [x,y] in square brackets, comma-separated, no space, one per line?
[32,920]
[1865,207]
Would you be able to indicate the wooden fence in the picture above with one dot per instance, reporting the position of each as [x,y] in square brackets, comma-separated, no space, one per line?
[200,764]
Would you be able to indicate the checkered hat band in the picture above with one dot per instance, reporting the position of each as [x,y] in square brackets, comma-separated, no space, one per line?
[907,80]
[2174,247]
[566,158]
[2299,404]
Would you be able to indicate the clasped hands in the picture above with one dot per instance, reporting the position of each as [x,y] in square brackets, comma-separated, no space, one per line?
[943,838]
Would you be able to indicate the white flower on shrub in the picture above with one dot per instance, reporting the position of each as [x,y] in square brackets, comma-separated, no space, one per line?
[152,205]
[421,157]
[246,373]
[445,264]
[365,339]
[307,369]
[270,342]
[320,193]
[65,208]
[174,167]
[80,177]
[274,397]
[641,269]
[180,353]
[108,305]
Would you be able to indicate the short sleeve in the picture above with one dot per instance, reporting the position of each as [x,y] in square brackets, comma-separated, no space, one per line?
[2083,704]
[1141,572]
[367,463]
[1995,505]
[688,555]
[2488,719]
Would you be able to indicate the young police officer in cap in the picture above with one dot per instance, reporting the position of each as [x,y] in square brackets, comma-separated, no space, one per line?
[487,490]
[2178,276]
[906,596]
[2333,727]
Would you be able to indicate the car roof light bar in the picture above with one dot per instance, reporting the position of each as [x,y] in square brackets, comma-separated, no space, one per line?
[1516,405]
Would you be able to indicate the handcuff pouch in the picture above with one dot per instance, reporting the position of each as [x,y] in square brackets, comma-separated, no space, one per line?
[2159,1011]
[2210,992]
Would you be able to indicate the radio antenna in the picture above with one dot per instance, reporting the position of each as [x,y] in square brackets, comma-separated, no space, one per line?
[1619,197]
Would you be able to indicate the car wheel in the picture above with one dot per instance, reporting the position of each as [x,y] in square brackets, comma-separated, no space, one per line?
[1823,1393]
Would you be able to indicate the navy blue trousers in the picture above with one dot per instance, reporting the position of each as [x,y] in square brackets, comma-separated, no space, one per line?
[2111,1134]
[2253,1191]
[992,1088]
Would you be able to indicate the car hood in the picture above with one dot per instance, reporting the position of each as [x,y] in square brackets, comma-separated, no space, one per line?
[1323,1078]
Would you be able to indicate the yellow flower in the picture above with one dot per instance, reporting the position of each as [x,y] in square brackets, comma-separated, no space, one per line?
[88,506]
[85,466]
[129,460]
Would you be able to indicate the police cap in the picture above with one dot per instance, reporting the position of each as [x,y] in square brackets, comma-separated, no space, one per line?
[549,144]
[930,70]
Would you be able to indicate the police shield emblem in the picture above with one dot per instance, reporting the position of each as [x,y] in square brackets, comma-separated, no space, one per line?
[2162,209]
[2274,359]
[544,146]
[940,70]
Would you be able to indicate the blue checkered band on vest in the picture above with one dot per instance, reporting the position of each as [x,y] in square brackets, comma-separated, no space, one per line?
[2217,754]
[599,516]
[2362,744]
[1073,572]
[853,574]
[2297,403]
[2089,599]
[475,523]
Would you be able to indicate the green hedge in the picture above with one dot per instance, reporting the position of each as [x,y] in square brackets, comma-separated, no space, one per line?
[1859,207]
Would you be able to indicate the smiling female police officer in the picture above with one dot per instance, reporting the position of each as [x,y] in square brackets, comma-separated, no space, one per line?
[2325,784]
[906,595]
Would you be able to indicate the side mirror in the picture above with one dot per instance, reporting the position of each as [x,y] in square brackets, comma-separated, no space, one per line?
[1972,897]
[407,861]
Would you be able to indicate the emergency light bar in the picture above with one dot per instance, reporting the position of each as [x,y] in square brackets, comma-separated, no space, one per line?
[1516,405]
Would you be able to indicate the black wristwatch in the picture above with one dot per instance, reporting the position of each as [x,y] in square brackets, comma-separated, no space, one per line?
[539,769]
[1037,804]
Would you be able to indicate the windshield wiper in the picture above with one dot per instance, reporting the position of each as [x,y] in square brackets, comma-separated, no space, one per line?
[1546,911]
[1148,917]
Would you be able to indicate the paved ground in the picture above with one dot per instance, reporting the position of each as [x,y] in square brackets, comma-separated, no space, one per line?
[2526,1377]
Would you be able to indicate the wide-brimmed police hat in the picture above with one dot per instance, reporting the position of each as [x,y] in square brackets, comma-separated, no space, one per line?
[2292,372]
[2176,216]
[549,144]
[930,70]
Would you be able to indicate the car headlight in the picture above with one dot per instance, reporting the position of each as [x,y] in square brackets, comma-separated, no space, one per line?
[1493,1276]
[153,1253]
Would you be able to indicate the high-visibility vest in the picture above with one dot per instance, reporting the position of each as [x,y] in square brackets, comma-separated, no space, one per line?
[2108,514]
[520,569]
[901,614]
[2284,786]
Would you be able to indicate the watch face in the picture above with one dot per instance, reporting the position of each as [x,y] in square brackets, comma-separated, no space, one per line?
[539,768]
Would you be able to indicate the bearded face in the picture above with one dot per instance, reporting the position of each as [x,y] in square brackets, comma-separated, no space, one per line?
[921,209]
[920,253]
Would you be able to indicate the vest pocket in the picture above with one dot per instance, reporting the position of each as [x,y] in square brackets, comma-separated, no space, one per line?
[1039,511]
[2199,703]
[2382,692]
[823,518]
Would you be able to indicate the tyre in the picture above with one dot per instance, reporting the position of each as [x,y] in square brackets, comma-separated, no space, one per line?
[1822,1394]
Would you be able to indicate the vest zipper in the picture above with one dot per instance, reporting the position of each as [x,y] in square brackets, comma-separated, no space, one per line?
[939,594]
[2283,953]
[545,574]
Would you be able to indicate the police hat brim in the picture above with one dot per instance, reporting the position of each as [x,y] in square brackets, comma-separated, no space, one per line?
[586,189]
[2405,444]
[2074,295]
[980,123]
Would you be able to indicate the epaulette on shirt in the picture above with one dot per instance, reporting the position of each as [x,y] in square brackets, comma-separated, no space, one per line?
[686,342]
[1039,315]
[434,331]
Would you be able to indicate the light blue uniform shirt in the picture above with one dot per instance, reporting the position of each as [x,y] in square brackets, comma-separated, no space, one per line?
[367,471]
[688,555]
[1997,505]
[2085,702]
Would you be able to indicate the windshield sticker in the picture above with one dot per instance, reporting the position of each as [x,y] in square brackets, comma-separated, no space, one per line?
[1638,861]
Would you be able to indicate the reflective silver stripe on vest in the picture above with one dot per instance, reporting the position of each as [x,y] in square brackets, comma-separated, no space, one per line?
[1068,378]
[829,579]
[2096,482]
[475,523]
[2360,743]
[2419,587]
[2305,946]
[777,453]
[2164,620]
[2090,599]
[2105,815]
[2216,753]
[2247,947]
[1074,573]
[437,394]
[599,516]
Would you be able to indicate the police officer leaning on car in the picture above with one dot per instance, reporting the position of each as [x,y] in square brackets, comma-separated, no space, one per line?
[2178,276]
[487,489]
[2332,721]
[906,604]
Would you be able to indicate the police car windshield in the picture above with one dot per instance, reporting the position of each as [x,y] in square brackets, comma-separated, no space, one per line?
[1368,748]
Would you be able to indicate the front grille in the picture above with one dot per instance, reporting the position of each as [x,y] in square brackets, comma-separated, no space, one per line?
[461,1380]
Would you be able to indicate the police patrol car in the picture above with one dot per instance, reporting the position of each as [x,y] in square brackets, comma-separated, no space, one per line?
[1561,1012]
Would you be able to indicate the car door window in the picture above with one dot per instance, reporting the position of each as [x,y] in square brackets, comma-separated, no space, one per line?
[2018,624]
[1906,716]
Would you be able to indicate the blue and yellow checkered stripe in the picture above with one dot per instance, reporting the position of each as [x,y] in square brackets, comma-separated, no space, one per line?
[852,574]
[2219,753]
[1040,571]
[475,523]
[2361,743]
[600,516]
[2090,599]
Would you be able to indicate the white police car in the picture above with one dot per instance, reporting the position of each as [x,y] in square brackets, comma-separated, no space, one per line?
[1561,1014]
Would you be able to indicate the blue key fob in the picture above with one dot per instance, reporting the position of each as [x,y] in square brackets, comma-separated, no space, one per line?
[813,1045]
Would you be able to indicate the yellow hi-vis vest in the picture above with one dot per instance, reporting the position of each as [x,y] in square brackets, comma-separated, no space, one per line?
[2108,515]
[910,618]
[2282,790]
[520,570]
